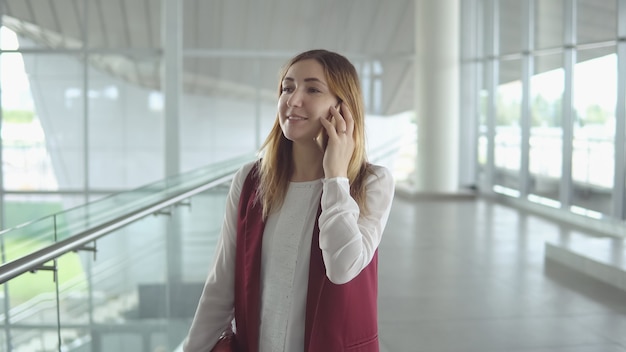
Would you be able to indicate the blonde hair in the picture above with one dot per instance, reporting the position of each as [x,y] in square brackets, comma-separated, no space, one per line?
[276,166]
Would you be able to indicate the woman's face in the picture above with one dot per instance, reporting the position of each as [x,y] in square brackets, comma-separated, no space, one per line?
[305,99]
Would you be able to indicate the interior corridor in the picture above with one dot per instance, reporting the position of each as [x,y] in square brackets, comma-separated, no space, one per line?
[468,275]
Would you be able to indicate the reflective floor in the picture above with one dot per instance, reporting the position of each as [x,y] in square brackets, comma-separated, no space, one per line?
[469,276]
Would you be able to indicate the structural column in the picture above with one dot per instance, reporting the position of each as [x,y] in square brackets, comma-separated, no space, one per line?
[172,81]
[437,95]
[172,38]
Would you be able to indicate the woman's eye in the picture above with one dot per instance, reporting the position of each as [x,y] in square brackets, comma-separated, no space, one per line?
[287,89]
[314,90]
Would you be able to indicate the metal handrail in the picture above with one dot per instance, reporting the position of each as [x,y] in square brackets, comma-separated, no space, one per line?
[35,260]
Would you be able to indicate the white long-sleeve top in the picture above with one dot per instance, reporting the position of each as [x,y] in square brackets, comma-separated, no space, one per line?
[348,240]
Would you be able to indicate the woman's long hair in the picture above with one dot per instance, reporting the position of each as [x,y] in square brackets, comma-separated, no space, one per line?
[277,163]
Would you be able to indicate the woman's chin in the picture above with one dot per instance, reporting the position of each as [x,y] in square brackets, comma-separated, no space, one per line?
[302,138]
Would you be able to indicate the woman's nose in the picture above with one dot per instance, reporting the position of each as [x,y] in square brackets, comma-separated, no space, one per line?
[295,99]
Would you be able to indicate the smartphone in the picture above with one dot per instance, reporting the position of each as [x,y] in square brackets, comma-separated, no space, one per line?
[338,107]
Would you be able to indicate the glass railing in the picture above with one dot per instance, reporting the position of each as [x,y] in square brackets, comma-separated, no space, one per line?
[120,274]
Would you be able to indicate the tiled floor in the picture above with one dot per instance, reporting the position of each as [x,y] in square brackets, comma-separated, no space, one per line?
[469,276]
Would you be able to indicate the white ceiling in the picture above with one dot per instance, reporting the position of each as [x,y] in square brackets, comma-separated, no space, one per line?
[233,47]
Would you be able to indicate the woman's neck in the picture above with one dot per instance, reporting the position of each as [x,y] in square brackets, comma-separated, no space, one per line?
[307,163]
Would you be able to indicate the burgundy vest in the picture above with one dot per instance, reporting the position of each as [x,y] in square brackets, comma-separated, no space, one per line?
[338,317]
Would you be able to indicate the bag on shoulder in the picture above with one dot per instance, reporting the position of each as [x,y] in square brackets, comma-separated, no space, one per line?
[226,343]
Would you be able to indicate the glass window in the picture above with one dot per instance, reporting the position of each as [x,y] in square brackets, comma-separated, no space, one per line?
[48,142]
[42,133]
[594,89]
[27,166]
[593,158]
[546,133]
[130,152]
[220,103]
[508,133]
[483,140]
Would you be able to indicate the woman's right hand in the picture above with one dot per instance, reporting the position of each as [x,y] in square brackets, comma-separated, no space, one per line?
[340,130]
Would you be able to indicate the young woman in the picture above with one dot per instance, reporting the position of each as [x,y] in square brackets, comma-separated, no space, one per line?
[296,264]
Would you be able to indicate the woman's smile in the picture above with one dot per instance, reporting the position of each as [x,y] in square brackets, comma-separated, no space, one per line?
[297,118]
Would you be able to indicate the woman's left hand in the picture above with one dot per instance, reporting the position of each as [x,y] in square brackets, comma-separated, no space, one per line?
[340,130]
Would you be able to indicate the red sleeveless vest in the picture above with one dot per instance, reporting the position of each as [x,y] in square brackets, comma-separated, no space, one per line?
[338,317]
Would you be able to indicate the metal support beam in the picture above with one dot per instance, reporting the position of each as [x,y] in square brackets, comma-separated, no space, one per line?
[527,72]
[569,61]
[172,39]
[619,183]
[493,67]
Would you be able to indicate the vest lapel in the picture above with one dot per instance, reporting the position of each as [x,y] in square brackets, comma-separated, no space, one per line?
[250,228]
[317,278]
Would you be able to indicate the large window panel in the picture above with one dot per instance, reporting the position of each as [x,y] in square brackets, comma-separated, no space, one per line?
[130,153]
[225,113]
[508,132]
[27,164]
[483,140]
[593,159]
[53,150]
[484,20]
[591,132]
[546,133]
